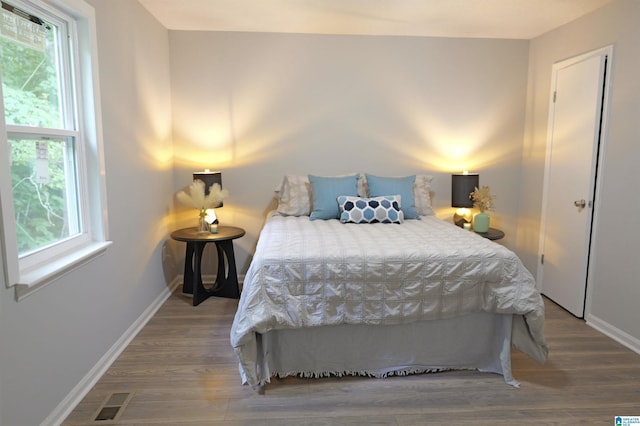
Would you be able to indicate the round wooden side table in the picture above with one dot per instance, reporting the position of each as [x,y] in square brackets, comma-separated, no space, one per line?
[226,283]
[492,234]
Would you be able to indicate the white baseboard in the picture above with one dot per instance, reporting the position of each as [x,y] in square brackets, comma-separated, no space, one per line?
[616,334]
[62,411]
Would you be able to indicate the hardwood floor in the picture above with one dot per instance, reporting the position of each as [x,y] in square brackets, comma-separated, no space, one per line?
[181,370]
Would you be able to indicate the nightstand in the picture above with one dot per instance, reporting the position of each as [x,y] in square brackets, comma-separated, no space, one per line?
[226,285]
[492,234]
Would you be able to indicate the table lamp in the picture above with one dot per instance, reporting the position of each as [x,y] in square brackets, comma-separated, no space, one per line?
[209,178]
[462,185]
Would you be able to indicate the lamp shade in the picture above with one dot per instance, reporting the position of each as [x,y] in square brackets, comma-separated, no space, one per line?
[209,178]
[461,186]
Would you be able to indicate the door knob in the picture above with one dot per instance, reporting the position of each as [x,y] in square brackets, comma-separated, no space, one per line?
[581,204]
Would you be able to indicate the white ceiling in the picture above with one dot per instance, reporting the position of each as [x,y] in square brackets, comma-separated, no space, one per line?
[516,19]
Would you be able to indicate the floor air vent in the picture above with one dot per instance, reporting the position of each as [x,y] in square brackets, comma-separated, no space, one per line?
[112,408]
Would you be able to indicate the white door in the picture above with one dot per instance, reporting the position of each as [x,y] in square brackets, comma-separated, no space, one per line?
[574,136]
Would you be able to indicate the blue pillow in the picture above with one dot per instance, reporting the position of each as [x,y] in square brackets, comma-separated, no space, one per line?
[402,186]
[325,192]
[384,209]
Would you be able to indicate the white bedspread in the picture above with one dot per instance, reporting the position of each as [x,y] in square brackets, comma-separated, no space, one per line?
[311,273]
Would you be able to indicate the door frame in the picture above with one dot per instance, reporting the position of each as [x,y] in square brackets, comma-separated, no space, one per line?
[596,187]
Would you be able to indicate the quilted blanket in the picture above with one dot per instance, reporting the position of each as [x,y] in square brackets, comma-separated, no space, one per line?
[317,273]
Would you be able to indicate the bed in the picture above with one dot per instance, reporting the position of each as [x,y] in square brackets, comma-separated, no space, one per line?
[328,298]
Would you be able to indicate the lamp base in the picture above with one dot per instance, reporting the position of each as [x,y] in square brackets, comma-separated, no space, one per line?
[462,216]
[212,220]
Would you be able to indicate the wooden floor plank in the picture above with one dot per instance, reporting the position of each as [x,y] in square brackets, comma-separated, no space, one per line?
[181,370]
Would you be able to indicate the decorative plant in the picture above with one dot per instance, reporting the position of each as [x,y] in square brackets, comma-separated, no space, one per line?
[197,199]
[482,198]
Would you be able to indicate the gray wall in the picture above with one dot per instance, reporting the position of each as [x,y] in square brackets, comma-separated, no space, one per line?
[258,106]
[50,340]
[614,291]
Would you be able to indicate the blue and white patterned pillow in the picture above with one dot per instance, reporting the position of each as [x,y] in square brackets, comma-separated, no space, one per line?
[383,209]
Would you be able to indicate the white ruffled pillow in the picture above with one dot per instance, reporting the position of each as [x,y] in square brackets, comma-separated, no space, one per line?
[422,195]
[294,196]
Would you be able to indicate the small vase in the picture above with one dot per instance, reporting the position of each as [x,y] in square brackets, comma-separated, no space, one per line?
[481,222]
[203,226]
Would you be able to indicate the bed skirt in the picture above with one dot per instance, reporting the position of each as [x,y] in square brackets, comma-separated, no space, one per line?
[478,341]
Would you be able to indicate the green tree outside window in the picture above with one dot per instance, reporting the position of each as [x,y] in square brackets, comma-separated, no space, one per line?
[31,87]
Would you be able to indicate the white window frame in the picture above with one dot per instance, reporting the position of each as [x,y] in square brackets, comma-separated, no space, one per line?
[32,273]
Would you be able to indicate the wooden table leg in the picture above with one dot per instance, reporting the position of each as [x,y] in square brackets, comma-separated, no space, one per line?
[187,279]
[226,284]
[192,280]
[199,292]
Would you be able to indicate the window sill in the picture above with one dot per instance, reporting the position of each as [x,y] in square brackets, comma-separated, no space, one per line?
[39,278]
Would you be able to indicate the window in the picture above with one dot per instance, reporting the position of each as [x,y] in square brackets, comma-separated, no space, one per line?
[49,127]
